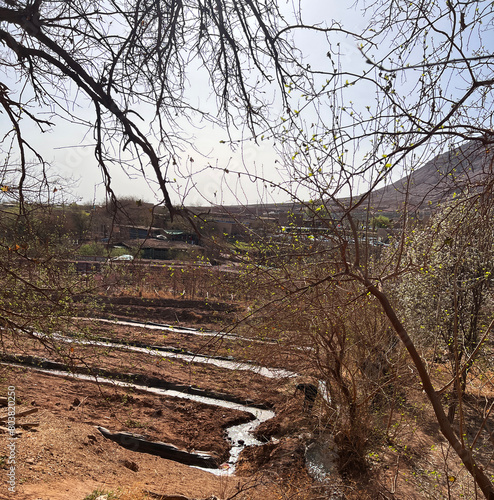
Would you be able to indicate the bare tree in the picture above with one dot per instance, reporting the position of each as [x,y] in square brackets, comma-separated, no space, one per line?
[424,83]
[427,82]
[120,71]
[132,61]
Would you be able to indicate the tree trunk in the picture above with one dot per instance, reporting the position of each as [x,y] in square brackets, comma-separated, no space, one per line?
[445,426]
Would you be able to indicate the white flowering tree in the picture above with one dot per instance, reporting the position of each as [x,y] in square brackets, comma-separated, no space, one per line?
[449,284]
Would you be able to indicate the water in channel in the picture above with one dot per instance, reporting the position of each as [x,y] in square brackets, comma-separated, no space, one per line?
[239,435]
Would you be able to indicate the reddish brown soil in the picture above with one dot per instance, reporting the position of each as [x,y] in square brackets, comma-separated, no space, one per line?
[66,457]
[202,312]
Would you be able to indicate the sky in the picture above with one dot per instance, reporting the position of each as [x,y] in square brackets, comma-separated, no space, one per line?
[69,148]
[211,143]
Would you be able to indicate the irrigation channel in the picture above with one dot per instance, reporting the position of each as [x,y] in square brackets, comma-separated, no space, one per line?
[240,435]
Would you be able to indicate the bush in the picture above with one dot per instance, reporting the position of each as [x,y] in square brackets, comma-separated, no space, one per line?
[93,250]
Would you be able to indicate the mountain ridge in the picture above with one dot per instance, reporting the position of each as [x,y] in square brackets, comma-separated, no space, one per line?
[454,171]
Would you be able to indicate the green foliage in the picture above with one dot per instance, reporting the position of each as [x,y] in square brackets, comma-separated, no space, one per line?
[38,283]
[380,221]
[96,493]
[117,252]
[134,424]
[93,249]
[96,249]
[242,247]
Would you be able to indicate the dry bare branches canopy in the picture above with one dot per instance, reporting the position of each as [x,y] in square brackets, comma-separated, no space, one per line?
[132,61]
[424,71]
[359,105]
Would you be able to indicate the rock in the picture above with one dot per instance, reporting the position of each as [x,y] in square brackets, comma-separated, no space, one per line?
[322,458]
[130,465]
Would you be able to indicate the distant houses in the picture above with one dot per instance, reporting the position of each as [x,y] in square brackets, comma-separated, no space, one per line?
[157,243]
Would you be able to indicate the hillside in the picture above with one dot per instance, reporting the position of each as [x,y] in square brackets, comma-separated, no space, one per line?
[438,179]
[422,189]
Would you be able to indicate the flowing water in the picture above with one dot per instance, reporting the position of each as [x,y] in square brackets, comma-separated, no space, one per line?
[181,329]
[189,357]
[240,435]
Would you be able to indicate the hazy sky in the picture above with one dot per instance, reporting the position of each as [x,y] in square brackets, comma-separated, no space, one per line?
[69,148]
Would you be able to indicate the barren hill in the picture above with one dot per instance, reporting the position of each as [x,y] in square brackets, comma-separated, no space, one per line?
[438,179]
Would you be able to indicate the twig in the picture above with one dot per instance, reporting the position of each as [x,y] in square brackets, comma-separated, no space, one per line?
[21,414]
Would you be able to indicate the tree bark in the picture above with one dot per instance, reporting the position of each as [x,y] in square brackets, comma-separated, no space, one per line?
[465,454]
